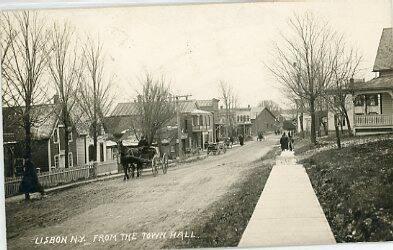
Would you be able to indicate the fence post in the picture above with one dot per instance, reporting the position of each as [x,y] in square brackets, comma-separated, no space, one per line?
[93,170]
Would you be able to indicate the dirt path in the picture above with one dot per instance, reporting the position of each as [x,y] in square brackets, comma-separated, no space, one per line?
[152,205]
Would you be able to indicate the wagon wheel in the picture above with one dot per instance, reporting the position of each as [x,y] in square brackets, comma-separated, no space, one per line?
[154,165]
[165,163]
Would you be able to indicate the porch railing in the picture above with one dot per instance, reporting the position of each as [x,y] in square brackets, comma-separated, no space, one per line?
[373,120]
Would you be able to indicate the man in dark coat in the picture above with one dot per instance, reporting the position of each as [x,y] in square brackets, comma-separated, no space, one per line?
[30,183]
[241,140]
[284,142]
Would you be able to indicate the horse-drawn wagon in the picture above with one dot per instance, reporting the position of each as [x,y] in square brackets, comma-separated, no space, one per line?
[216,148]
[139,158]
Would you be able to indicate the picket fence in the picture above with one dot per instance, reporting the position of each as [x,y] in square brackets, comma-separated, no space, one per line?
[61,176]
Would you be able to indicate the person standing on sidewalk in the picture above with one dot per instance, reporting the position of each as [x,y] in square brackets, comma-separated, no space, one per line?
[284,142]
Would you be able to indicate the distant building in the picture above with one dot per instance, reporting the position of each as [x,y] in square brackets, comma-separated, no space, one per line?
[212,106]
[265,121]
[243,121]
[196,126]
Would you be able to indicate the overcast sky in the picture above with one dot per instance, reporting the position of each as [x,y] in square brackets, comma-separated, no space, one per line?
[196,46]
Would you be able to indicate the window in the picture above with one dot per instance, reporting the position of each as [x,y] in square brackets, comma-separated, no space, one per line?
[372,100]
[56,160]
[194,120]
[70,160]
[70,136]
[200,120]
[92,152]
[359,101]
[56,135]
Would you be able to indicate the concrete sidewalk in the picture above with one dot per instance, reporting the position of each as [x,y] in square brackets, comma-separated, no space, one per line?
[288,212]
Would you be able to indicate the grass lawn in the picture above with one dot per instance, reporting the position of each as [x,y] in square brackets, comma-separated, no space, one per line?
[223,223]
[355,188]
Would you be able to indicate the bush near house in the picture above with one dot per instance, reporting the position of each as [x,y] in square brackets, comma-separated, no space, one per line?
[355,188]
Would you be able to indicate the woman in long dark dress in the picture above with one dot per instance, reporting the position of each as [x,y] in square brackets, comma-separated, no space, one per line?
[30,183]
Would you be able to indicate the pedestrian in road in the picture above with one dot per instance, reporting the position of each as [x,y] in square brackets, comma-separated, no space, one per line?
[284,142]
[30,183]
[290,141]
[241,140]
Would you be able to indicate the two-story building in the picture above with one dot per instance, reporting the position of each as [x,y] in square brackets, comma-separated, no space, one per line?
[212,106]
[370,103]
[373,99]
[243,121]
[48,142]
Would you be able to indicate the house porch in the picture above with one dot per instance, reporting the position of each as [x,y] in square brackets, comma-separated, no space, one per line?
[373,112]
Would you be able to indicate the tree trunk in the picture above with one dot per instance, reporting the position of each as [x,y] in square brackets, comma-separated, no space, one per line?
[66,146]
[337,132]
[348,122]
[313,122]
[301,124]
[27,127]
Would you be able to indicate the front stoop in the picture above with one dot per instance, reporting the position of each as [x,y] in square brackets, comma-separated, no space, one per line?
[288,212]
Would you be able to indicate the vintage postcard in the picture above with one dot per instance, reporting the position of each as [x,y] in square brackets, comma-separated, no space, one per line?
[197,125]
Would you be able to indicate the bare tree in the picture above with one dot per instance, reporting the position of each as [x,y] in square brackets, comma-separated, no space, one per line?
[304,63]
[24,61]
[272,106]
[230,100]
[8,34]
[94,96]
[346,67]
[66,72]
[155,106]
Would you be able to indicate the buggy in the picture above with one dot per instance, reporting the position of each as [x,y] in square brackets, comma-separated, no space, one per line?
[216,148]
[139,158]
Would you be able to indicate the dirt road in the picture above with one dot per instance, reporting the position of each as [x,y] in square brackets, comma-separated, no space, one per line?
[124,213]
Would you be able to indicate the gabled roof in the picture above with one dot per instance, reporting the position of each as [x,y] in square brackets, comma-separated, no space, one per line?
[131,108]
[379,83]
[125,109]
[45,121]
[255,111]
[206,103]
[117,125]
[268,111]
[187,106]
[384,58]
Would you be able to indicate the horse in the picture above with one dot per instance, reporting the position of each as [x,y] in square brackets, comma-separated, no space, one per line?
[133,159]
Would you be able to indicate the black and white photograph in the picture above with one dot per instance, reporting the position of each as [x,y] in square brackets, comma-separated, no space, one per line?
[191,124]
